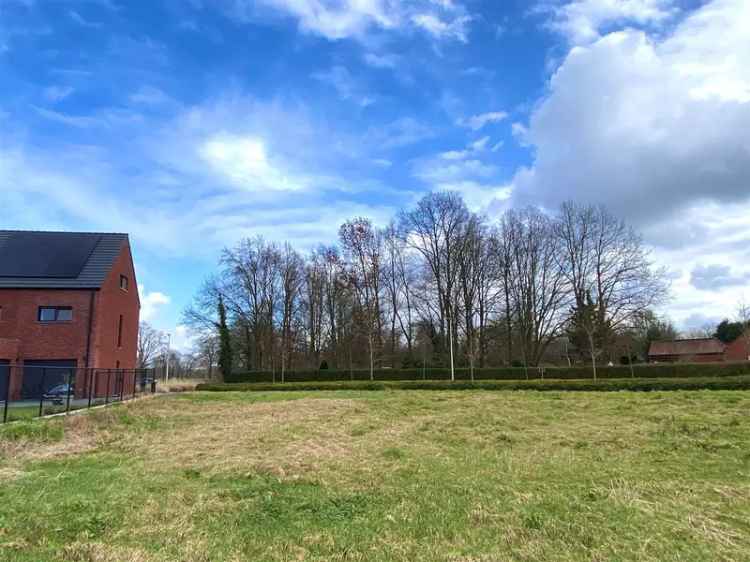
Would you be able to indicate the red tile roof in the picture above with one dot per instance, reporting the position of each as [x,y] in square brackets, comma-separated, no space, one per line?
[704,346]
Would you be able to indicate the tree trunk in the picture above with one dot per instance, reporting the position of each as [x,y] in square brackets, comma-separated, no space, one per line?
[593,353]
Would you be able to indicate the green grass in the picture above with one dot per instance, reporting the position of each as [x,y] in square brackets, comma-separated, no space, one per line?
[408,475]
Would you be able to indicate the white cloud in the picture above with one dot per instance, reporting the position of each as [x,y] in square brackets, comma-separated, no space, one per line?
[151,302]
[582,20]
[183,339]
[345,19]
[630,119]
[245,162]
[477,122]
[480,144]
[443,29]
[464,172]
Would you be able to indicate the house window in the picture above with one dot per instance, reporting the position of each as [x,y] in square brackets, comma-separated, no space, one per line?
[123,283]
[55,314]
[119,332]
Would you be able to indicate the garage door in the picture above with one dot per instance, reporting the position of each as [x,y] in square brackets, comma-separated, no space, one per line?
[40,376]
[4,378]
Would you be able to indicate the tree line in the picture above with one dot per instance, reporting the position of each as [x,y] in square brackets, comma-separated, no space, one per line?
[441,286]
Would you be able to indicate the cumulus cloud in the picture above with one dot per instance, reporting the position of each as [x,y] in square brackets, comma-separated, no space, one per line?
[647,126]
[151,302]
[582,20]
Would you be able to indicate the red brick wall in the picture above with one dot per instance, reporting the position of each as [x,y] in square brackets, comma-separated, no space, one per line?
[45,340]
[738,349]
[111,303]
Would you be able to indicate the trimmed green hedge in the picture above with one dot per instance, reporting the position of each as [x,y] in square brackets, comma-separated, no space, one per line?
[662,371]
[645,385]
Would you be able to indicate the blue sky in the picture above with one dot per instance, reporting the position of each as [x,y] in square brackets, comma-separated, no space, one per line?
[193,123]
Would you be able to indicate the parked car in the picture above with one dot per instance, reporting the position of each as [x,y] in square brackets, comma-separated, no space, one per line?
[58,393]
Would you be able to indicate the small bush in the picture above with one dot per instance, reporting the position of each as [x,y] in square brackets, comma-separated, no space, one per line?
[606,385]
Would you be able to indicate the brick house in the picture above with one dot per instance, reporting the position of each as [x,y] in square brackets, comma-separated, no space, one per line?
[702,350]
[739,349]
[68,302]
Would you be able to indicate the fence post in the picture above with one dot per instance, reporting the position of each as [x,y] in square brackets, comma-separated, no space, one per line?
[91,385]
[121,376]
[41,391]
[153,381]
[106,395]
[135,381]
[70,380]
[7,396]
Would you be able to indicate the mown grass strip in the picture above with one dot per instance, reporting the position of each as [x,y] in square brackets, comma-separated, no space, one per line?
[610,385]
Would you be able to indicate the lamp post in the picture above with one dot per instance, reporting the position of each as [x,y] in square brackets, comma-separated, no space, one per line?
[169,344]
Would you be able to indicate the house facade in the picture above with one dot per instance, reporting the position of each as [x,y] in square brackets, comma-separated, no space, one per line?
[68,302]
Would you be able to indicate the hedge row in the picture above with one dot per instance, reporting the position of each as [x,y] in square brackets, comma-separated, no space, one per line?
[662,371]
[607,385]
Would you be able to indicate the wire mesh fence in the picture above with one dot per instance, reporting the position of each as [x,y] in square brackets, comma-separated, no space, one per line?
[34,390]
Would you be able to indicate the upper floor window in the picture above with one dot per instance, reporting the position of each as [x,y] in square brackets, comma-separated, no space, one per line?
[55,314]
[123,283]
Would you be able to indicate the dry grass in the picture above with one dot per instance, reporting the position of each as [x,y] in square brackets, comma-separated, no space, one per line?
[178,385]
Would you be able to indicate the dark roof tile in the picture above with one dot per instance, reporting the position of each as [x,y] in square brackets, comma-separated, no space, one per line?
[86,261]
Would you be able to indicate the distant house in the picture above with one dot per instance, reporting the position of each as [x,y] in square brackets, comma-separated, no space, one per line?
[703,350]
[739,349]
[68,301]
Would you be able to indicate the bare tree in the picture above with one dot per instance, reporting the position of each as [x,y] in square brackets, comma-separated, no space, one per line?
[397,278]
[292,278]
[435,229]
[150,344]
[208,351]
[608,271]
[362,245]
[538,283]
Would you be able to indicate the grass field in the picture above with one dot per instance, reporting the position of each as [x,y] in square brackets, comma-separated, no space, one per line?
[402,475]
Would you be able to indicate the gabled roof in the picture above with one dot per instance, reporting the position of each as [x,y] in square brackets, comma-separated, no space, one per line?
[702,346]
[57,260]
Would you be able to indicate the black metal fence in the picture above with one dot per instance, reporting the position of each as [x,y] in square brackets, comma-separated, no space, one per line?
[32,391]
